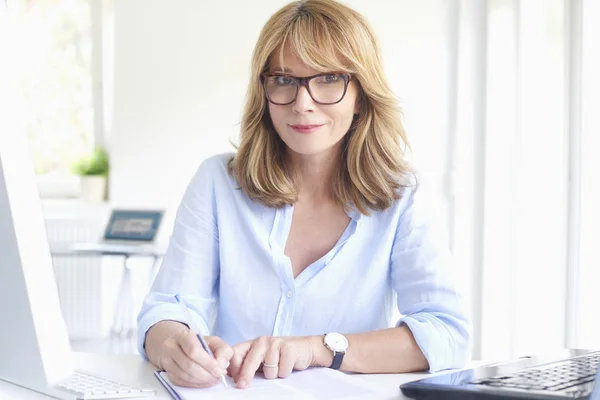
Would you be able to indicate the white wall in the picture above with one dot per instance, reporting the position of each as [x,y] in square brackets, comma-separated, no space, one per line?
[180,75]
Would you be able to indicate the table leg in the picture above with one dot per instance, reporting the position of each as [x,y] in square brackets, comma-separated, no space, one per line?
[122,319]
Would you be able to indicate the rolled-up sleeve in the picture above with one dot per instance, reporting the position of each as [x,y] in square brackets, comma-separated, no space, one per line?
[424,280]
[190,267]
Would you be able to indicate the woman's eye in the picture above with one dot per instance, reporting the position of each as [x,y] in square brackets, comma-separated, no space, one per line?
[283,81]
[330,78]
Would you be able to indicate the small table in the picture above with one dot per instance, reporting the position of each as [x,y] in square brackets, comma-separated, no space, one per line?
[121,325]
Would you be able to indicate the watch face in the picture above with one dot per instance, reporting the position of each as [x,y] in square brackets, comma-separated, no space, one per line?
[336,342]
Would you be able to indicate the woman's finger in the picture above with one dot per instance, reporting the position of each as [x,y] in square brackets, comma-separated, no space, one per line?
[253,360]
[236,361]
[287,359]
[191,346]
[171,367]
[270,365]
[221,350]
[191,367]
[179,376]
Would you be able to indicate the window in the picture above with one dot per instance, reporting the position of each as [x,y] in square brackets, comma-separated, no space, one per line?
[54,74]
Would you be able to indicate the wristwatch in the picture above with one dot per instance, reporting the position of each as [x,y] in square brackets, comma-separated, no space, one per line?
[337,343]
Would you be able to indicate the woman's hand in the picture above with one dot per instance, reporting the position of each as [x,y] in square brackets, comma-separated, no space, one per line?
[189,365]
[276,356]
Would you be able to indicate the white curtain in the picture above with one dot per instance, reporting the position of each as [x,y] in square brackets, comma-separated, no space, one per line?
[587,293]
[523,209]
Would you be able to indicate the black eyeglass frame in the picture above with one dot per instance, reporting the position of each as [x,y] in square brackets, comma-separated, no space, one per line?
[304,81]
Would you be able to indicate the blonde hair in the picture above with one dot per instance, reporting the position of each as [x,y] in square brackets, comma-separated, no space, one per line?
[326,36]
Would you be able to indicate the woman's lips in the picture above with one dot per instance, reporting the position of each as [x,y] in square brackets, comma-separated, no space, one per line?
[305,128]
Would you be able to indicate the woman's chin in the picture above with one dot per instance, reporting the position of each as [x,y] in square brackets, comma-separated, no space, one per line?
[310,150]
[310,147]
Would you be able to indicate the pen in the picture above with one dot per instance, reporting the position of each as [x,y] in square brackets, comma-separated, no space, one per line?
[194,328]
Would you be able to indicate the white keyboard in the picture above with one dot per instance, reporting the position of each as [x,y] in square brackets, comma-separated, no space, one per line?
[85,386]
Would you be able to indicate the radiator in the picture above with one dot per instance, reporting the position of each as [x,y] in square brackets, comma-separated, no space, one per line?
[83,283]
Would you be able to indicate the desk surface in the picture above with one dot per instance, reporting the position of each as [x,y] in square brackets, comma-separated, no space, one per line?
[133,370]
[107,249]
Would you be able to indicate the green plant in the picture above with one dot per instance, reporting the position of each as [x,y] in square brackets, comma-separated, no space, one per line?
[95,163]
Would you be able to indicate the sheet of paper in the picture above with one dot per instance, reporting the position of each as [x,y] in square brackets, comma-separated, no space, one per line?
[312,384]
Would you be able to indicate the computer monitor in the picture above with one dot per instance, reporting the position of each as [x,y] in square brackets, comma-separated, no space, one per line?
[34,345]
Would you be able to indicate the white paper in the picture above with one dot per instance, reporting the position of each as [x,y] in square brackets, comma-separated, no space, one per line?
[311,384]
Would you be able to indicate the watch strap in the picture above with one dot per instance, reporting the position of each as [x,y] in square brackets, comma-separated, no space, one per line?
[338,357]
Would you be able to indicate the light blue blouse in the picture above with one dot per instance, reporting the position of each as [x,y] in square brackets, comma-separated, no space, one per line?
[226,259]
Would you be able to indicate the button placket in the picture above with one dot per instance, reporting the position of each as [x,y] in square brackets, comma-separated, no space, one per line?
[280,232]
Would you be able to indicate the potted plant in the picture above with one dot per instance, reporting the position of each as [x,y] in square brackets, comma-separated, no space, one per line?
[93,172]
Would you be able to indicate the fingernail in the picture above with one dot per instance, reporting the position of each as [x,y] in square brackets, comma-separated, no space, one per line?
[243,383]
[223,362]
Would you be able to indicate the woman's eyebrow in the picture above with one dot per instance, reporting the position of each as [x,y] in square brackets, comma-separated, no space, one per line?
[279,69]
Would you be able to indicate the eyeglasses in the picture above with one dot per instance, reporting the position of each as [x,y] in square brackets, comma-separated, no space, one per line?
[328,88]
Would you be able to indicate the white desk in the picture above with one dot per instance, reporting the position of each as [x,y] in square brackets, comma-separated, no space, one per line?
[133,370]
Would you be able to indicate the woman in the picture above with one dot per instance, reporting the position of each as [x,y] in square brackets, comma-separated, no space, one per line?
[291,252]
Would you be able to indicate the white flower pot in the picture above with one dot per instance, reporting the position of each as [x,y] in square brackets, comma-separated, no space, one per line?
[93,188]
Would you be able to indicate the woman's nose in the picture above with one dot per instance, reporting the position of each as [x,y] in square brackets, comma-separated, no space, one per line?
[304,101]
